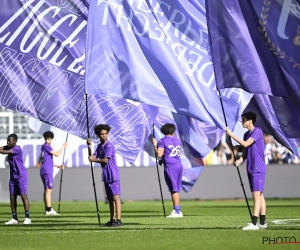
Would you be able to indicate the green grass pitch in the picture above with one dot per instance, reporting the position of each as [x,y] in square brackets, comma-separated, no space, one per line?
[206,225]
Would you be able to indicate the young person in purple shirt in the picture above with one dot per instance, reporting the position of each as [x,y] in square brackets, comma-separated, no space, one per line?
[46,170]
[254,147]
[18,178]
[169,148]
[105,155]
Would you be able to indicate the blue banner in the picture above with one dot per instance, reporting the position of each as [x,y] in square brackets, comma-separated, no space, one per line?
[42,57]
[156,52]
[255,46]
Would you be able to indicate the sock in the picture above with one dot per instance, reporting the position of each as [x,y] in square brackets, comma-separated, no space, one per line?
[262,219]
[254,220]
[27,214]
[45,208]
[48,209]
[177,209]
[14,215]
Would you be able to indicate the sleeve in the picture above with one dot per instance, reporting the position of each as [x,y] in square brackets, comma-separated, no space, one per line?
[48,148]
[160,144]
[256,135]
[109,151]
[16,150]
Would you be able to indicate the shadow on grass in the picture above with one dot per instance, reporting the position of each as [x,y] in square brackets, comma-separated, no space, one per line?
[93,227]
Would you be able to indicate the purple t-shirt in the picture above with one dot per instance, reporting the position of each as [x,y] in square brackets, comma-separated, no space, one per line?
[46,159]
[110,170]
[172,147]
[17,168]
[255,152]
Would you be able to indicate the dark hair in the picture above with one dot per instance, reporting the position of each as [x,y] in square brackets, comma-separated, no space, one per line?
[250,116]
[48,134]
[14,136]
[168,129]
[100,127]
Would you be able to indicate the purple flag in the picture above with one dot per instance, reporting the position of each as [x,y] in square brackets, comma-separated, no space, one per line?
[254,46]
[156,52]
[42,56]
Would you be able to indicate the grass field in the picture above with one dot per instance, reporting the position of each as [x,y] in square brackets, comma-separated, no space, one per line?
[206,225]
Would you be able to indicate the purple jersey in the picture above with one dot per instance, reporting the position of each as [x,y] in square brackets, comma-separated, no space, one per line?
[172,147]
[110,170]
[255,152]
[17,168]
[46,159]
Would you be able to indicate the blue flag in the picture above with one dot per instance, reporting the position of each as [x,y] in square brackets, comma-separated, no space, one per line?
[255,46]
[42,57]
[156,53]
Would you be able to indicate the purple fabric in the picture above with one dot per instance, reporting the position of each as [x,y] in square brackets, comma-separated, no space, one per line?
[172,147]
[47,180]
[274,118]
[47,160]
[155,53]
[255,46]
[42,74]
[110,170]
[112,188]
[257,182]
[173,178]
[15,160]
[255,152]
[18,186]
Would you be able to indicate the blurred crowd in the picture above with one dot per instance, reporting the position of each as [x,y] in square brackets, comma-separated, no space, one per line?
[275,153]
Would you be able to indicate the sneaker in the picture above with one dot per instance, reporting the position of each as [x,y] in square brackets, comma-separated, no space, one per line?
[12,221]
[250,226]
[52,212]
[27,221]
[175,215]
[118,223]
[263,227]
[111,223]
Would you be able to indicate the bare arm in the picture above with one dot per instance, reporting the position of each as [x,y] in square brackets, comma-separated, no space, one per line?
[245,144]
[5,152]
[159,151]
[242,158]
[93,158]
[58,152]
[60,166]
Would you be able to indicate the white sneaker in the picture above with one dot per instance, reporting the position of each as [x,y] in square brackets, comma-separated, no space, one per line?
[27,221]
[12,222]
[263,227]
[51,213]
[250,226]
[175,215]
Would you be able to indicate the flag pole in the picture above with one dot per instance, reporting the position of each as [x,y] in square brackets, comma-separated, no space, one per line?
[234,156]
[61,177]
[90,153]
[158,175]
[230,142]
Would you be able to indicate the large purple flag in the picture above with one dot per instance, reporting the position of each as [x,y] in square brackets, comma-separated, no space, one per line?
[156,52]
[255,46]
[42,56]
